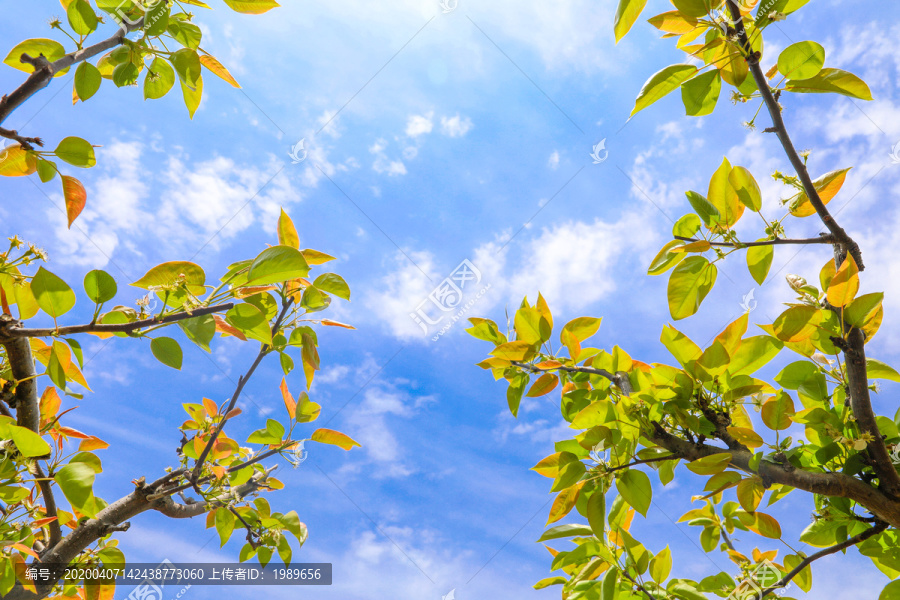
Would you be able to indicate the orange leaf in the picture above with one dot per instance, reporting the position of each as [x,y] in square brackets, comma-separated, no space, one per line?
[44,521]
[75,196]
[225,328]
[50,403]
[73,433]
[331,323]
[211,408]
[92,443]
[216,67]
[232,413]
[845,283]
[289,402]
[544,385]
[335,438]
[25,549]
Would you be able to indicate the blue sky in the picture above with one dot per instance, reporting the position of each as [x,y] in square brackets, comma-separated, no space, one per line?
[435,138]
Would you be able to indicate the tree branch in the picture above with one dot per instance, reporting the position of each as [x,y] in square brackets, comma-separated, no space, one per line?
[25,142]
[18,332]
[46,487]
[827,484]
[823,239]
[830,550]
[841,236]
[616,379]
[644,462]
[45,70]
[242,381]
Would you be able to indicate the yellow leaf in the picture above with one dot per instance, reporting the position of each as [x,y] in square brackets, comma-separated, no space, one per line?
[209,61]
[564,503]
[827,186]
[548,467]
[330,323]
[746,436]
[287,233]
[844,284]
[15,161]
[514,351]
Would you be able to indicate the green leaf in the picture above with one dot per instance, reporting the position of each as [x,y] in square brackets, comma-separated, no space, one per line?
[665,259]
[224,524]
[696,8]
[571,470]
[159,79]
[156,20]
[891,591]
[875,369]
[167,351]
[858,312]
[747,189]
[723,196]
[87,80]
[759,261]
[687,226]
[689,284]
[564,531]
[634,486]
[82,17]
[251,7]
[248,319]
[662,83]
[76,151]
[126,74]
[100,286]
[28,442]
[627,13]
[485,329]
[333,284]
[187,64]
[199,330]
[187,34]
[192,96]
[582,328]
[46,169]
[832,81]
[50,49]
[701,93]
[277,264]
[53,295]
[76,480]
[514,393]
[802,60]
[661,565]
[704,208]
[596,513]
[172,273]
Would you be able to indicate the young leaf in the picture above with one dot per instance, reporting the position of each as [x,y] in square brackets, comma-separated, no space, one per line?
[335,438]
[277,264]
[627,13]
[87,80]
[333,284]
[159,79]
[75,196]
[76,151]
[634,486]
[701,93]
[210,62]
[802,60]
[689,284]
[832,81]
[759,261]
[53,295]
[167,351]
[845,283]
[661,83]
[287,233]
[100,286]
[192,95]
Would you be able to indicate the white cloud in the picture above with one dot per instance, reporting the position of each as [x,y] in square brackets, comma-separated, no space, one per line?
[418,125]
[455,126]
[401,291]
[383,164]
[553,161]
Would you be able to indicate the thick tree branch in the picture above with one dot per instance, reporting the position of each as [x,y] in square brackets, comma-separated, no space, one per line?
[822,239]
[827,484]
[45,70]
[830,550]
[116,328]
[115,517]
[841,236]
[46,487]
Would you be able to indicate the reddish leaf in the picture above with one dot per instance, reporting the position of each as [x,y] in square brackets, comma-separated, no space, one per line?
[75,197]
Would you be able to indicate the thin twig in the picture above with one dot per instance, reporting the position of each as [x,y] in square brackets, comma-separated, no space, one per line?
[830,550]
[824,239]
